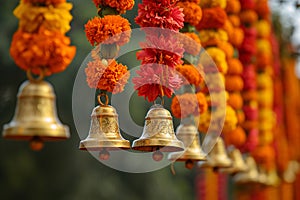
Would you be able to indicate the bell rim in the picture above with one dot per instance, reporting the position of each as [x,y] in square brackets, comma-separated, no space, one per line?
[27,133]
[98,145]
[181,157]
[158,144]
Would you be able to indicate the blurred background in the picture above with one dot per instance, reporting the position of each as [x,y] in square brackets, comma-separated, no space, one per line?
[60,171]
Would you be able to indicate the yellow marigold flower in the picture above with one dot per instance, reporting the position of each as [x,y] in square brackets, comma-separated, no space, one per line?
[210,34]
[230,120]
[52,17]
[263,28]
[263,46]
[219,57]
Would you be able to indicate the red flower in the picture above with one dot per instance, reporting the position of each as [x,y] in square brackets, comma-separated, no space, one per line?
[161,50]
[156,80]
[160,13]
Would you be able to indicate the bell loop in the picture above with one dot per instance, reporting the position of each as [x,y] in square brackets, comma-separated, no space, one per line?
[100,101]
[35,80]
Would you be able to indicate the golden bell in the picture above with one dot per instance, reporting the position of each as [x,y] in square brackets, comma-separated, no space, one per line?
[104,134]
[188,134]
[35,116]
[249,176]
[238,163]
[158,134]
[217,158]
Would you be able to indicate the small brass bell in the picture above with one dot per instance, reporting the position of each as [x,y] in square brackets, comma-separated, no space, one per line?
[238,163]
[188,134]
[289,175]
[158,134]
[35,116]
[217,158]
[104,134]
[249,176]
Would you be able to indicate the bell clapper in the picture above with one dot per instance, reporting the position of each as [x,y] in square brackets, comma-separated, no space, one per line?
[157,155]
[189,164]
[36,144]
[104,154]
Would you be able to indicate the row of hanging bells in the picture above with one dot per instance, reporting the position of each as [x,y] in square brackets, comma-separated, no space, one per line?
[35,117]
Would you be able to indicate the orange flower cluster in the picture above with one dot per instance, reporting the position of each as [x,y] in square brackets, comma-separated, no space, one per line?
[44,2]
[265,155]
[212,18]
[191,75]
[233,6]
[248,17]
[188,104]
[191,43]
[40,45]
[45,50]
[120,5]
[234,66]
[111,77]
[237,137]
[192,12]
[108,30]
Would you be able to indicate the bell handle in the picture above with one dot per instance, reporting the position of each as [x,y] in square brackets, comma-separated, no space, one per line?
[162,101]
[100,101]
[32,79]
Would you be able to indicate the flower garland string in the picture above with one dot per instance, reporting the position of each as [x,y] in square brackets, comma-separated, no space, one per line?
[161,52]
[39,45]
[107,32]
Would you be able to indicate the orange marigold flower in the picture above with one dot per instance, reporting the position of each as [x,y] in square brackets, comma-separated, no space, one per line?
[237,36]
[235,66]
[235,100]
[234,83]
[248,17]
[44,2]
[236,137]
[228,27]
[192,12]
[120,5]
[191,74]
[108,30]
[264,155]
[212,18]
[235,20]
[188,104]
[227,48]
[233,6]
[47,50]
[262,9]
[111,77]
[191,43]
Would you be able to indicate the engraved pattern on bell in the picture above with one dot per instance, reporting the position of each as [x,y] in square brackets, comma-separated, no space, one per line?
[158,132]
[104,133]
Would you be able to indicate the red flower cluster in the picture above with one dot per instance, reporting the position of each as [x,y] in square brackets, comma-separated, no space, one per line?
[156,80]
[160,13]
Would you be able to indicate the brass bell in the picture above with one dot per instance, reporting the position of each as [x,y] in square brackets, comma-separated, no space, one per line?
[188,134]
[217,158]
[35,116]
[104,134]
[158,134]
[249,176]
[238,163]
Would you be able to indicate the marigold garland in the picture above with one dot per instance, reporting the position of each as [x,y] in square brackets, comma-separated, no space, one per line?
[213,3]
[108,30]
[45,50]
